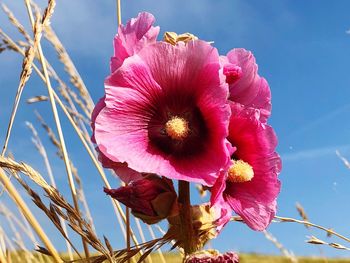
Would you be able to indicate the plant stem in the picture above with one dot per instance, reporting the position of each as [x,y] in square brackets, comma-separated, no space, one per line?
[187,232]
[127,214]
[119,12]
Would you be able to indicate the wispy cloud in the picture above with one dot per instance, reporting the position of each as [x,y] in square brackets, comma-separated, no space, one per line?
[347,31]
[315,153]
[321,120]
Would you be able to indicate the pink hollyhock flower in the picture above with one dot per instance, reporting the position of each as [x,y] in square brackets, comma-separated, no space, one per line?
[250,186]
[121,169]
[132,37]
[246,86]
[212,256]
[151,199]
[167,113]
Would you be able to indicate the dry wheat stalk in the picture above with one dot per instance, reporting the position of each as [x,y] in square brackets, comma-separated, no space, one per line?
[52,193]
[16,23]
[42,151]
[29,216]
[18,238]
[45,22]
[302,213]
[24,226]
[304,216]
[25,74]
[10,250]
[328,230]
[80,190]
[316,241]
[2,246]
[154,237]
[22,30]
[38,98]
[115,203]
[280,219]
[62,86]
[290,255]
[64,57]
[61,208]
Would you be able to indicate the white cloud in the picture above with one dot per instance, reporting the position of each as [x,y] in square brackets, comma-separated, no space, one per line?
[314,153]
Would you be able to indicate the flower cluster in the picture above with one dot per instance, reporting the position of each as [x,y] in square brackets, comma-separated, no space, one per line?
[176,109]
[212,256]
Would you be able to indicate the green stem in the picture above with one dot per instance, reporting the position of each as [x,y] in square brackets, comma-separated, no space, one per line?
[187,232]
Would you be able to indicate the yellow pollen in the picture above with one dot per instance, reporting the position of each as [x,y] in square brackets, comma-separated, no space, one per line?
[177,128]
[240,172]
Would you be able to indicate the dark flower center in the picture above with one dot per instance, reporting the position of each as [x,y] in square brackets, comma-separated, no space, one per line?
[178,130]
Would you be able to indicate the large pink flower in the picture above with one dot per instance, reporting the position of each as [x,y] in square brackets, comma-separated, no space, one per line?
[246,86]
[250,186]
[132,37]
[167,112]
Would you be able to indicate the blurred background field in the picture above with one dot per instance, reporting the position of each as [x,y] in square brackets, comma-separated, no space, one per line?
[244,258]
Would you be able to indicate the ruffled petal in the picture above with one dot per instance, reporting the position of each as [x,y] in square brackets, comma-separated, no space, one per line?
[131,38]
[249,89]
[98,107]
[122,170]
[256,215]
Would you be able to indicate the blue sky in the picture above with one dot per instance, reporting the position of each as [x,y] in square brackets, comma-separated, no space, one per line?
[302,49]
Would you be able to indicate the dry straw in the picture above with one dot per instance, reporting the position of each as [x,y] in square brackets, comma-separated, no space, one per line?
[42,151]
[29,216]
[117,207]
[45,21]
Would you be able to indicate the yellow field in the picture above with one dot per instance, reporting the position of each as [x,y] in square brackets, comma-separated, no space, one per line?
[19,257]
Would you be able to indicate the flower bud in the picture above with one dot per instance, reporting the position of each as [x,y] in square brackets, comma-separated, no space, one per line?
[151,199]
[207,222]
[212,256]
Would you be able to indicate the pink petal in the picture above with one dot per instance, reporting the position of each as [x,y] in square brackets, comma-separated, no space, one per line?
[98,107]
[256,215]
[132,37]
[250,89]
[122,170]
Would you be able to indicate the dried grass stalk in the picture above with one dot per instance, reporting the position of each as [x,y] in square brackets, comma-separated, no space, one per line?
[16,23]
[290,255]
[118,210]
[23,226]
[45,21]
[38,98]
[302,213]
[25,74]
[29,216]
[316,241]
[42,151]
